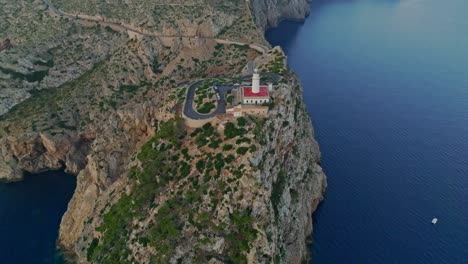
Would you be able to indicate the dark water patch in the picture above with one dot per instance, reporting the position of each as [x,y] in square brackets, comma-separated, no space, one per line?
[30,215]
[386,83]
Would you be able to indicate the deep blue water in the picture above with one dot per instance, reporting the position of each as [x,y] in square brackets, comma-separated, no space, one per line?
[386,83]
[30,215]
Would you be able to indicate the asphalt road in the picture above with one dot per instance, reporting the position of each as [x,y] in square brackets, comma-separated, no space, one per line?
[190,112]
[223,89]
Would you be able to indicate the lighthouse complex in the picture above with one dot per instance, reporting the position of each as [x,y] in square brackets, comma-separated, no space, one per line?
[251,100]
[255,94]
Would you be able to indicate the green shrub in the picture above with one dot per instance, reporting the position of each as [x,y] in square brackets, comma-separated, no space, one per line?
[219,162]
[242,150]
[277,191]
[201,140]
[243,140]
[206,108]
[200,165]
[91,249]
[185,154]
[259,130]
[227,147]
[208,130]
[252,148]
[171,128]
[129,88]
[196,132]
[241,121]
[230,158]
[237,173]
[184,169]
[203,220]
[242,235]
[36,76]
[231,131]
[214,144]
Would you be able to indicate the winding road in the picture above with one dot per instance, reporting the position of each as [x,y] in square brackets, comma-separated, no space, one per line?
[190,112]
[123,27]
[223,89]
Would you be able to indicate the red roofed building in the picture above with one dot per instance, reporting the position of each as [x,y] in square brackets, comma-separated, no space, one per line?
[255,94]
[250,97]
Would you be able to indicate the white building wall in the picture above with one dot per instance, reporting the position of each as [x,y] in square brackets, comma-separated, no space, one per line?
[256,83]
[270,87]
[257,101]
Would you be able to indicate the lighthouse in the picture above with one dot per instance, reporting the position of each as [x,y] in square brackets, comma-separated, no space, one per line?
[255,82]
[255,94]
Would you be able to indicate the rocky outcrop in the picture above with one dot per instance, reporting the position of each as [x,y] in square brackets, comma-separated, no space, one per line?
[36,152]
[289,163]
[107,163]
[5,44]
[281,184]
[268,13]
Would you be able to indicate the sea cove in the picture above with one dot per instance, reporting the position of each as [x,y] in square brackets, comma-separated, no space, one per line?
[30,214]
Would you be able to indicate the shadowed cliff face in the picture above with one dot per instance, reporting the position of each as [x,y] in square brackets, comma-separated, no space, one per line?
[268,13]
[97,122]
[289,164]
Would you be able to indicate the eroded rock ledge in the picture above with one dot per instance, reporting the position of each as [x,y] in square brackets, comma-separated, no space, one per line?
[268,13]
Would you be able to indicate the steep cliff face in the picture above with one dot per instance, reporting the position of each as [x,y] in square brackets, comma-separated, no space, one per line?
[268,13]
[289,163]
[234,193]
[39,151]
[237,190]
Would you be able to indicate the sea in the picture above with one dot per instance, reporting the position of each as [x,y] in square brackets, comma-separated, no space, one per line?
[386,85]
[30,215]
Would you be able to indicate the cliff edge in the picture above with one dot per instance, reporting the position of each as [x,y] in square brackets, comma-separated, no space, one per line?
[268,13]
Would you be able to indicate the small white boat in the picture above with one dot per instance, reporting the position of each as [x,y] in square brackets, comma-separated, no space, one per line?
[434,221]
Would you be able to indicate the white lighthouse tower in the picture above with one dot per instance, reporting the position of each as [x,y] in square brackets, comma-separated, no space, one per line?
[256,82]
[255,94]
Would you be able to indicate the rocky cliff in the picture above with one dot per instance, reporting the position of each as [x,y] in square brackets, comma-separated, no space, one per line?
[149,189]
[268,13]
[289,167]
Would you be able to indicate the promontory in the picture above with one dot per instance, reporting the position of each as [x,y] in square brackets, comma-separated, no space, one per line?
[186,130]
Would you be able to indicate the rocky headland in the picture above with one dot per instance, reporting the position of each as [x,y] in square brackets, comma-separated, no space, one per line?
[103,102]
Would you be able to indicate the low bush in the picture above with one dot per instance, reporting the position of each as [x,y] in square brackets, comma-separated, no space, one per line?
[242,150]
[200,165]
[227,147]
[241,121]
[243,140]
[231,131]
[230,158]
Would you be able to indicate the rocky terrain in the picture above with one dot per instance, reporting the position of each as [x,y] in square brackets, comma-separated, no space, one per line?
[269,13]
[103,103]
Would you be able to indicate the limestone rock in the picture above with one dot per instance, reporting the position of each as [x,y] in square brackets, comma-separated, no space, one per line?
[268,13]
